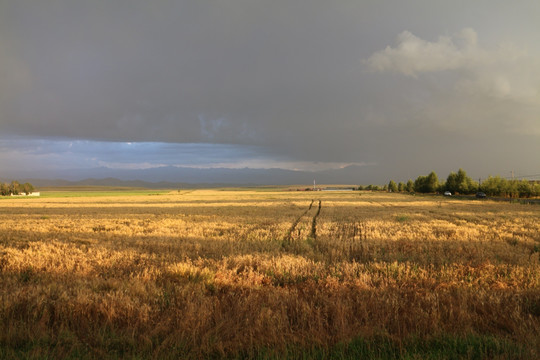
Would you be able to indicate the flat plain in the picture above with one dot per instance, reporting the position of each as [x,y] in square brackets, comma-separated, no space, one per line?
[268,274]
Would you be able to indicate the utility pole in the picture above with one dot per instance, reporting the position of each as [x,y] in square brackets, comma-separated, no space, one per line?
[512,174]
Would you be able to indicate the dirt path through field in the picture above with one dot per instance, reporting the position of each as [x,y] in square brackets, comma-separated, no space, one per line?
[313,233]
[288,237]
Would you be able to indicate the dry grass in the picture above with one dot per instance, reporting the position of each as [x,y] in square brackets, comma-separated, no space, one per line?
[223,273]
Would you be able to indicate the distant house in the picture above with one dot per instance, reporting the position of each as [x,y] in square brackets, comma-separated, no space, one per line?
[37,193]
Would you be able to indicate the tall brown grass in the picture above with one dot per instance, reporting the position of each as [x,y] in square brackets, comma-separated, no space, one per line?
[222,273]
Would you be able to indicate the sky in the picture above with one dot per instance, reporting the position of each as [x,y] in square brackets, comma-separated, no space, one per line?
[396,88]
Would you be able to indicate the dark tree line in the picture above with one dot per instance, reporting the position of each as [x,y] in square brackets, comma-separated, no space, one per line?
[497,186]
[461,184]
[14,188]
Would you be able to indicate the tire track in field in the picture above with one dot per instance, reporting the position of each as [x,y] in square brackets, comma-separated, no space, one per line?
[313,233]
[288,237]
[378,204]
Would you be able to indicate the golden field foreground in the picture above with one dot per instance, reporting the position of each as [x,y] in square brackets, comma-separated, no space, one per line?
[209,273]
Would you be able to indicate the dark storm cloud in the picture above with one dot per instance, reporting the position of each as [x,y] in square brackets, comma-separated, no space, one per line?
[151,71]
[397,84]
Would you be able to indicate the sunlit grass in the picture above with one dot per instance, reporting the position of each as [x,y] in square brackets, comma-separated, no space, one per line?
[221,273]
[101,193]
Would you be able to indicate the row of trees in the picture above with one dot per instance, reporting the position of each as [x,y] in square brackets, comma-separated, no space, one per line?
[14,188]
[392,186]
[497,186]
[461,183]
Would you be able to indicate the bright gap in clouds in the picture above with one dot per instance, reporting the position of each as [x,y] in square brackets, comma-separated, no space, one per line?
[32,153]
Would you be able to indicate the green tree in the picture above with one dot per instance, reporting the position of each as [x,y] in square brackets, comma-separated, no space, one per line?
[392,186]
[420,184]
[536,189]
[410,186]
[401,186]
[525,189]
[14,188]
[452,183]
[27,188]
[466,185]
[427,184]
[460,183]
[432,182]
[442,187]
[495,186]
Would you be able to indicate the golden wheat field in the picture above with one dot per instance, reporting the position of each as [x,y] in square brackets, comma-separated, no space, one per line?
[252,273]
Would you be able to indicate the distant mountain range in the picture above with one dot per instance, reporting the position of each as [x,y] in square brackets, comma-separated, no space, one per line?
[174,177]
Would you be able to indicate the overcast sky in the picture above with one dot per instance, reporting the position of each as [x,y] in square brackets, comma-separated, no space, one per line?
[397,87]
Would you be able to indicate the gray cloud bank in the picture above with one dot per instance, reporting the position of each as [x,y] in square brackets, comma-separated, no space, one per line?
[299,81]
